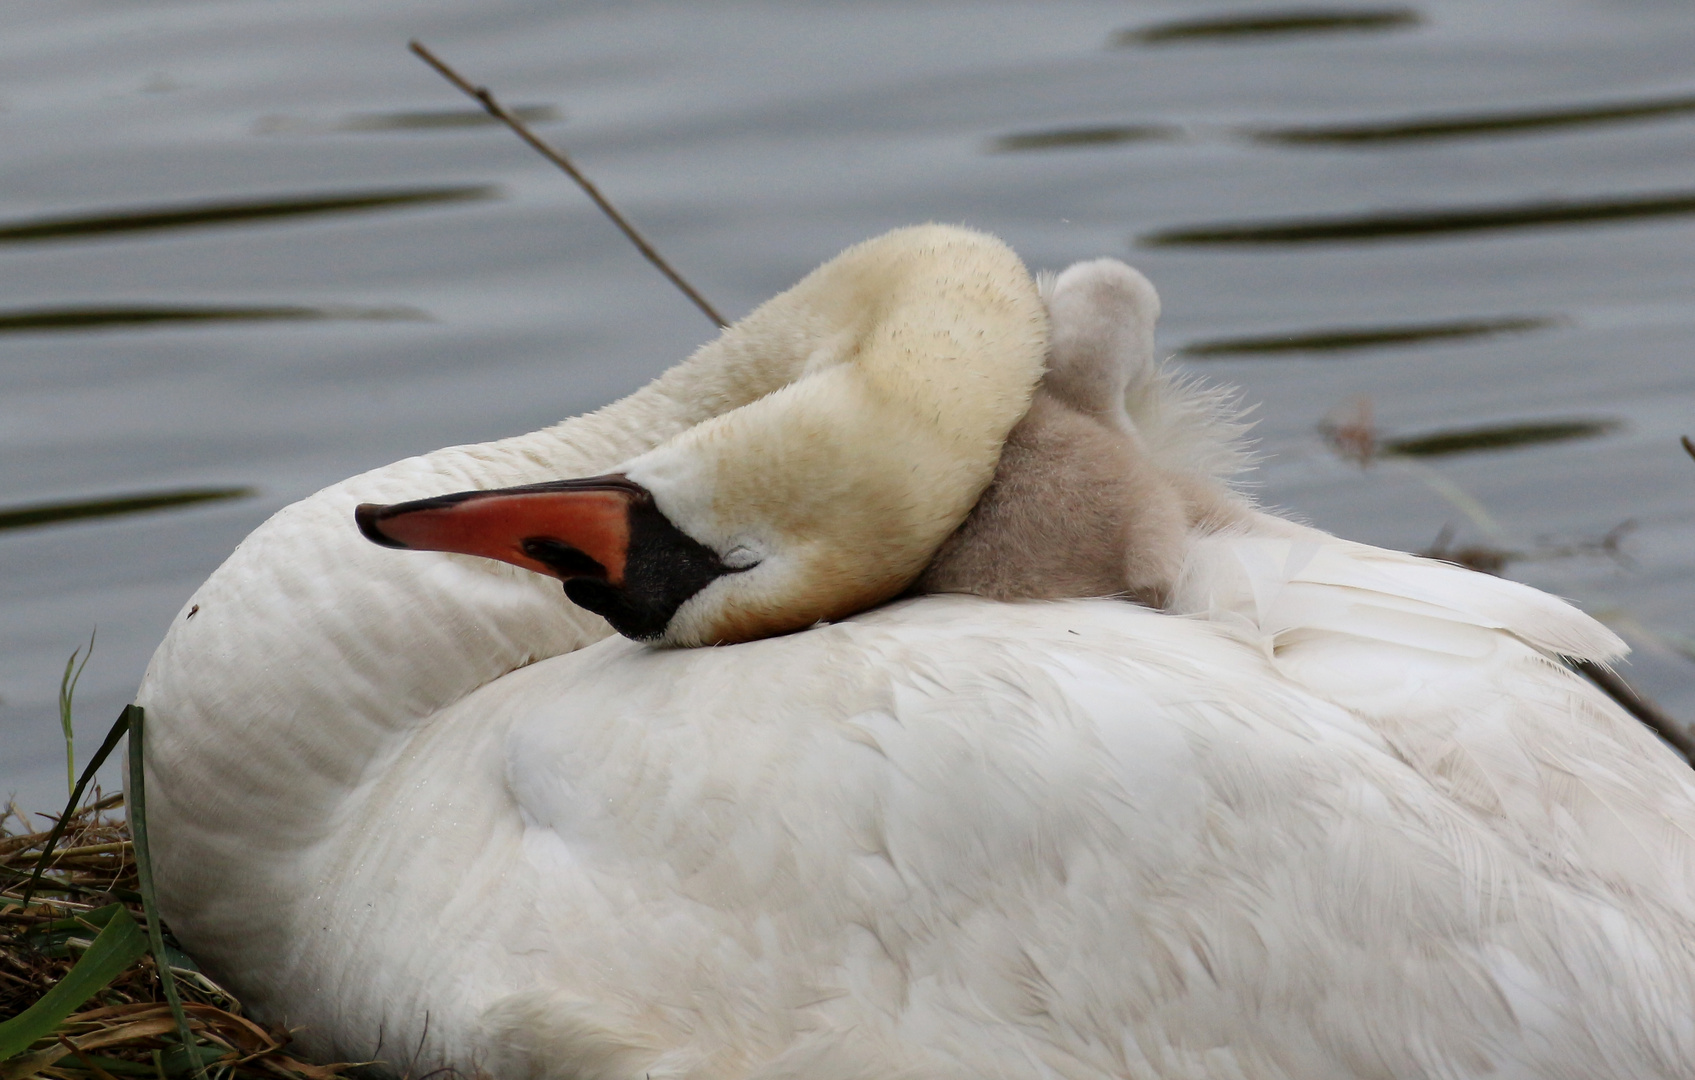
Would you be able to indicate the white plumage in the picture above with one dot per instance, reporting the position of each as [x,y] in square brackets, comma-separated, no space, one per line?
[1335,812]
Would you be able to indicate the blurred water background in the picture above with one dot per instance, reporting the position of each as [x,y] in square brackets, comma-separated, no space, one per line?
[251,248]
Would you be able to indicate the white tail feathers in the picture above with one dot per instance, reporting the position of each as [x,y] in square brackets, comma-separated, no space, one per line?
[1283,579]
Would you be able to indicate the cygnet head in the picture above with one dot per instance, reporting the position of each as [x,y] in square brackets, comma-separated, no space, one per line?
[914,354]
[1080,506]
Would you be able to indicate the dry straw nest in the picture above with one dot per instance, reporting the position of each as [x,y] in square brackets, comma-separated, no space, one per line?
[74,959]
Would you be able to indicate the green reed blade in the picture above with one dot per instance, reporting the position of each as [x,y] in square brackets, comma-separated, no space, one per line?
[135,800]
[120,944]
[67,691]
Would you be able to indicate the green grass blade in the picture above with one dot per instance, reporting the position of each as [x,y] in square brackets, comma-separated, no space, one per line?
[119,730]
[67,691]
[118,946]
[136,801]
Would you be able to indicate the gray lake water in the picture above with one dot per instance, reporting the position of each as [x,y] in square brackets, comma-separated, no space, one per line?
[261,246]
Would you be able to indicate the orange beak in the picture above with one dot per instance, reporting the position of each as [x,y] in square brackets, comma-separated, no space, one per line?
[565,529]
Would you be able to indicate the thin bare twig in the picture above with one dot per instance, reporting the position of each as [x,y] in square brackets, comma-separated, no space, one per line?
[1640,707]
[495,109]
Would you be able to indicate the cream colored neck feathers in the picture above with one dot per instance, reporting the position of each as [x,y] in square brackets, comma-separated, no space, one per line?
[837,489]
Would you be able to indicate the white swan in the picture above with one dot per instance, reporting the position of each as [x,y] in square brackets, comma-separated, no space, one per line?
[1335,812]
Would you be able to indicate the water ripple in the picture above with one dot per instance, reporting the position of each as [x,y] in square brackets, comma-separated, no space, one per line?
[1075,137]
[54,513]
[412,120]
[1472,125]
[1405,224]
[1498,437]
[1261,24]
[1343,339]
[198,215]
[93,317]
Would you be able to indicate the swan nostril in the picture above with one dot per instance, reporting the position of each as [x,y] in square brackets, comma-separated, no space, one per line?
[562,558]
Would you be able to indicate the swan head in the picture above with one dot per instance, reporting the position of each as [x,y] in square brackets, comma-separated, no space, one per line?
[912,356]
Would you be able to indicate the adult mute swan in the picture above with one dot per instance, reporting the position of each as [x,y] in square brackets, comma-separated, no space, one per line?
[1328,811]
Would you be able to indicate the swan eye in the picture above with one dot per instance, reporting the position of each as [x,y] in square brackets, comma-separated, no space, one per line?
[741,557]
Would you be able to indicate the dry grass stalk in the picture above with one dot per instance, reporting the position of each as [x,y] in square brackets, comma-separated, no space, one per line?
[485,97]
